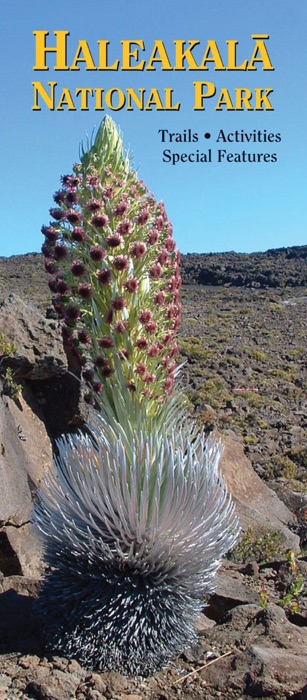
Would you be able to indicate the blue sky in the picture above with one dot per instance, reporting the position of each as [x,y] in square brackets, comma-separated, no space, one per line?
[213,206]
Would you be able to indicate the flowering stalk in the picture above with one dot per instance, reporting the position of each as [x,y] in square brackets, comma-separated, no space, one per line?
[137,517]
[115,273]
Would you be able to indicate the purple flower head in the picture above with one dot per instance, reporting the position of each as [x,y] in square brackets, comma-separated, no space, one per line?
[51,267]
[85,290]
[155,271]
[53,285]
[142,217]
[170,312]
[104,276]
[107,371]
[50,232]
[153,237]
[159,222]
[120,262]
[151,327]
[70,181]
[168,384]
[89,399]
[62,287]
[176,270]
[170,244]
[87,374]
[114,240]
[178,309]
[172,285]
[124,227]
[149,378]
[108,191]
[131,285]
[73,217]
[60,252]
[118,303]
[100,361]
[120,327]
[174,351]
[141,343]
[47,249]
[99,220]
[97,253]
[78,235]
[153,351]
[72,197]
[123,354]
[159,298]
[108,317]
[59,196]
[138,249]
[140,369]
[94,205]
[171,367]
[162,257]
[166,339]
[72,313]
[176,324]
[93,180]
[77,268]
[97,387]
[57,214]
[106,343]
[59,309]
[120,209]
[84,338]
[145,316]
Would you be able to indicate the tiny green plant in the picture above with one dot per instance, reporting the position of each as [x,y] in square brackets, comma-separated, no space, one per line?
[263,598]
[290,601]
[258,548]
[7,348]
[11,387]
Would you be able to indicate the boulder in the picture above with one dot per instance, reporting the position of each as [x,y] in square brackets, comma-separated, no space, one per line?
[229,592]
[39,350]
[268,654]
[258,507]
[25,454]
[279,659]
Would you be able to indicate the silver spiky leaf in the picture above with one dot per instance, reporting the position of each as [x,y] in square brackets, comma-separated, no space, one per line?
[134,530]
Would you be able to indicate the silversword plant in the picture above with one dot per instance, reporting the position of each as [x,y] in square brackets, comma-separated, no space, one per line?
[136,517]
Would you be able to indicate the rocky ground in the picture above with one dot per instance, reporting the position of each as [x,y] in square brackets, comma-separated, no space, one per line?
[245,374]
[245,353]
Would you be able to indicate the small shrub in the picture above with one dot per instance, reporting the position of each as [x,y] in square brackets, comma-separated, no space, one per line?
[6,347]
[250,439]
[259,355]
[10,386]
[252,548]
[282,466]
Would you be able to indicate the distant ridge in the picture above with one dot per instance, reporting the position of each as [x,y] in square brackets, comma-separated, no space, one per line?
[278,267]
